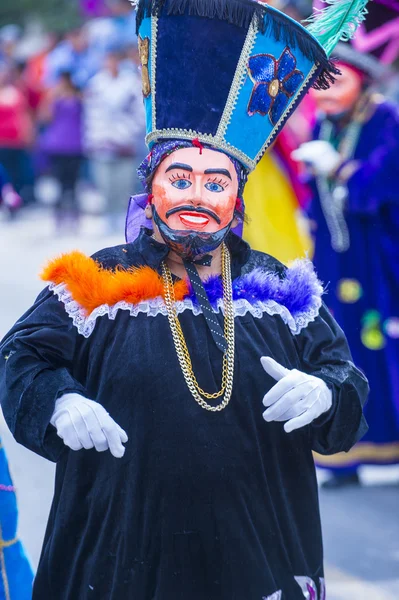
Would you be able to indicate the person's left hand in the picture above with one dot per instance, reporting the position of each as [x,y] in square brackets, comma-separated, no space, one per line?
[297,398]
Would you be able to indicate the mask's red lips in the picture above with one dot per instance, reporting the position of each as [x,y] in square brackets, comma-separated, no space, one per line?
[194,220]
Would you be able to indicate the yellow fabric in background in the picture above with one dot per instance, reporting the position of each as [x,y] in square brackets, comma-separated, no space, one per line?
[271,207]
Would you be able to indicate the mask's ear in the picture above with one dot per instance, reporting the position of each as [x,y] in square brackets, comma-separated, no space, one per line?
[238,213]
[148,211]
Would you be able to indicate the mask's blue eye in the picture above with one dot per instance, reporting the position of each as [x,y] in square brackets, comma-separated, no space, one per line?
[214,187]
[181,184]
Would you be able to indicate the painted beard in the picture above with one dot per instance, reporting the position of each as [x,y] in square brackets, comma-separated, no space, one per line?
[190,244]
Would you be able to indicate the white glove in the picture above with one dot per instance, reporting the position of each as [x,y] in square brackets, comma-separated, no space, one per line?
[319,155]
[83,423]
[297,398]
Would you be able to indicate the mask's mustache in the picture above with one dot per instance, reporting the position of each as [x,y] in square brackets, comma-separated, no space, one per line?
[192,209]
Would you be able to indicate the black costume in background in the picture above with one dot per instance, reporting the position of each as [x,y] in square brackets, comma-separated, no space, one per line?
[202,506]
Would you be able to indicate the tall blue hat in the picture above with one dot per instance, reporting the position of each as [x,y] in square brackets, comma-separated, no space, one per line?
[230,72]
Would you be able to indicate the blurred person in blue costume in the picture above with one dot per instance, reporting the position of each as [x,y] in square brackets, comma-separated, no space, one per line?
[182,380]
[74,54]
[356,211]
[114,26]
[16,576]
[123,18]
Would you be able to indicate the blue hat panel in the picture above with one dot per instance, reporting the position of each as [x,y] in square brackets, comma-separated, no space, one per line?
[275,75]
[227,72]
[192,85]
[145,34]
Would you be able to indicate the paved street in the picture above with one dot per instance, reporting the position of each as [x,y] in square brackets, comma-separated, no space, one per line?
[361,525]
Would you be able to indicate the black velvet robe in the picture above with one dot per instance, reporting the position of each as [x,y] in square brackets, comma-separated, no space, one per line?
[202,506]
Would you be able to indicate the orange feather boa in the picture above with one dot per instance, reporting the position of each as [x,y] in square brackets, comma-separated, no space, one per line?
[91,285]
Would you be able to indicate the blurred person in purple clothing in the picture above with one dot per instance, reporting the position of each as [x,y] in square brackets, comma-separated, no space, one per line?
[61,112]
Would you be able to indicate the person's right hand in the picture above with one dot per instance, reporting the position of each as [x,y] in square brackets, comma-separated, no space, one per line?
[320,155]
[83,423]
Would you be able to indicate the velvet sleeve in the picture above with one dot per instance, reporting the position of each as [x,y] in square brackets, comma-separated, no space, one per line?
[36,358]
[324,352]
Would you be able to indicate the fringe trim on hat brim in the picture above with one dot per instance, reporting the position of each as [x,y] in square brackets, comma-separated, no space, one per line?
[241,13]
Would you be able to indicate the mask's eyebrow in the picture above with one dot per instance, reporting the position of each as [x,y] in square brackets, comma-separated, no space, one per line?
[179,166]
[218,172]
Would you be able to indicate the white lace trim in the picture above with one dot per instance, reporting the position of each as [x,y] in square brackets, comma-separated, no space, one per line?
[85,323]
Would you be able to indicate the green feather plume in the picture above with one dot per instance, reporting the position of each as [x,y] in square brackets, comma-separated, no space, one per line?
[337,21]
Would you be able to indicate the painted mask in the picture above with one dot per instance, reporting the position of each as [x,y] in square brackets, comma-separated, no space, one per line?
[194,198]
[341,98]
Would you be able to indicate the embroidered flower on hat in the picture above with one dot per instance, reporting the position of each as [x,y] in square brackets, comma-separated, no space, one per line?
[275,82]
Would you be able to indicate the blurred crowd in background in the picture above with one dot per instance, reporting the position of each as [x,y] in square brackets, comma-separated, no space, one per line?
[71,115]
[72,136]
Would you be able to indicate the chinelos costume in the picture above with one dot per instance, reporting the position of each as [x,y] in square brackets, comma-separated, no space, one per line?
[204,494]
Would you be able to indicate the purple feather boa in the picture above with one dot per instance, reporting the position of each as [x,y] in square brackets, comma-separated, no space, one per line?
[300,290]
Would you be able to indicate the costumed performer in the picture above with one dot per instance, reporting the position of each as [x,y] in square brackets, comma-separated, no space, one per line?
[162,350]
[356,212]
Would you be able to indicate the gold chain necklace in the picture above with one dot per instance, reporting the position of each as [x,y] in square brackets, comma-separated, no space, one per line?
[179,341]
